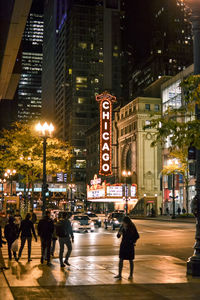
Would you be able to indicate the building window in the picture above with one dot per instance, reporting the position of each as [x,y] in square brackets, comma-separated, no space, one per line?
[157,107]
[147,122]
[147,107]
[81,100]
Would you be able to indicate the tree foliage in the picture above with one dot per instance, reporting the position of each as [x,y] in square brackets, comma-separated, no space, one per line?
[22,149]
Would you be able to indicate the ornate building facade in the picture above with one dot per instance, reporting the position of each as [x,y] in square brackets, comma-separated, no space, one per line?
[133,149]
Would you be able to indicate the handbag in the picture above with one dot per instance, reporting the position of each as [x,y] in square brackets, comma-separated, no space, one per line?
[14,246]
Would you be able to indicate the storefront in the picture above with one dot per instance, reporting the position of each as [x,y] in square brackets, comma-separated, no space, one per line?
[104,197]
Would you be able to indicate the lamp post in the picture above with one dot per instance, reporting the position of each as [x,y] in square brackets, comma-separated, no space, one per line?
[193,264]
[10,173]
[2,181]
[71,186]
[45,132]
[126,174]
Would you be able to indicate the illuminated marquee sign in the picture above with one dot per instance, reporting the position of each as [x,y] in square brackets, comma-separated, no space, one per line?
[114,191]
[105,102]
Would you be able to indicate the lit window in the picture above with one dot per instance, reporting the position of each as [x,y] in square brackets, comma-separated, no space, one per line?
[82,45]
[81,79]
[159,51]
[92,46]
[81,100]
[115,54]
[157,107]
[70,71]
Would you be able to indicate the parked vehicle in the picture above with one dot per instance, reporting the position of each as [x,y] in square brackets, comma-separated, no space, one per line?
[94,218]
[114,220]
[82,223]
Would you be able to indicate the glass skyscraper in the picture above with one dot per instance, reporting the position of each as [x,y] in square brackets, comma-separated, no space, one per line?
[29,88]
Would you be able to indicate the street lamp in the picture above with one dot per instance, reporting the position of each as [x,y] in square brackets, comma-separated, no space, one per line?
[71,186]
[45,132]
[126,174]
[10,173]
[193,264]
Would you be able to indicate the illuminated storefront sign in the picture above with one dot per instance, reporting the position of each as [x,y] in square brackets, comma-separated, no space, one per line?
[133,190]
[114,191]
[105,102]
[95,181]
[96,193]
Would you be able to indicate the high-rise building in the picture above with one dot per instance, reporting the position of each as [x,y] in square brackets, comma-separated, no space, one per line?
[13,16]
[170,48]
[88,61]
[30,86]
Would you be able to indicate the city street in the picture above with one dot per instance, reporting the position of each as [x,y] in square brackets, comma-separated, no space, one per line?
[161,255]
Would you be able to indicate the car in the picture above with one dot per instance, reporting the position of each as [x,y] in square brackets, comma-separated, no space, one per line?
[94,218]
[114,220]
[82,223]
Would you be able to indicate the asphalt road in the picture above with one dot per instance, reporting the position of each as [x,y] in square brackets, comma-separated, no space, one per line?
[156,238]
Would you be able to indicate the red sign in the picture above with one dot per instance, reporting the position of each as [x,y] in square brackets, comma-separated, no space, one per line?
[105,102]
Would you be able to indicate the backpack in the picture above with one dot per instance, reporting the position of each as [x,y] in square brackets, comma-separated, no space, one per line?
[61,230]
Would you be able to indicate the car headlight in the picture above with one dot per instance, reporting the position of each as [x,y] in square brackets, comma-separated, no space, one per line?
[116,222]
[76,224]
[99,220]
[92,223]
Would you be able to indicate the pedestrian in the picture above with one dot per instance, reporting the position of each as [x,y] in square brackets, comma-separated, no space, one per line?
[33,217]
[45,231]
[65,233]
[129,235]
[11,234]
[183,210]
[54,238]
[161,212]
[179,210]
[18,218]
[26,229]
[2,263]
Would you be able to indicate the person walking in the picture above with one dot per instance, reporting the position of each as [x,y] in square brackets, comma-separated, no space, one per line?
[26,229]
[11,234]
[179,210]
[65,233]
[129,235]
[2,263]
[45,231]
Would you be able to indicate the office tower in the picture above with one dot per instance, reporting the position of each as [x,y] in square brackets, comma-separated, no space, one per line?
[29,88]
[13,16]
[88,61]
[170,47]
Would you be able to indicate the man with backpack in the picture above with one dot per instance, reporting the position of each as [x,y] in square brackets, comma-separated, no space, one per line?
[45,231]
[65,233]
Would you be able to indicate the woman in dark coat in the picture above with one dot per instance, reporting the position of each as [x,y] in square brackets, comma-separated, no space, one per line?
[11,234]
[129,235]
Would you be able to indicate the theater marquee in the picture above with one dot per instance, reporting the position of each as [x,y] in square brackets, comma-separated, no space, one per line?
[105,102]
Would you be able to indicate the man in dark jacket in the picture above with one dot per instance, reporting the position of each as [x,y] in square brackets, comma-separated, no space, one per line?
[26,229]
[11,234]
[45,231]
[33,217]
[65,233]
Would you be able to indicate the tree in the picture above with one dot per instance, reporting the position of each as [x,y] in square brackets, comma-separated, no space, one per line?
[21,149]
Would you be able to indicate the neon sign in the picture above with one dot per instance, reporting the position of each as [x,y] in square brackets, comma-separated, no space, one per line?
[105,102]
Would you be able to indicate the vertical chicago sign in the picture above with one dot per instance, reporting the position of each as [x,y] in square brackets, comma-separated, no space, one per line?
[105,103]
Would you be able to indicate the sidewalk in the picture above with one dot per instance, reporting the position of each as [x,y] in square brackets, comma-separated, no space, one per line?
[166,219]
[156,277]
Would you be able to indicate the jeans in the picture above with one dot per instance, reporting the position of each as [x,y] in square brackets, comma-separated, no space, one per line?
[64,241]
[10,251]
[23,241]
[46,246]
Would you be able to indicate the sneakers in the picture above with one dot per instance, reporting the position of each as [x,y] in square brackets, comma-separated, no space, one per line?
[62,265]
[29,260]
[42,260]
[130,277]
